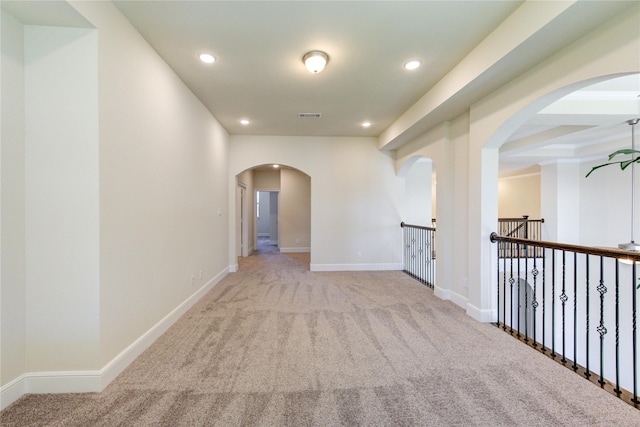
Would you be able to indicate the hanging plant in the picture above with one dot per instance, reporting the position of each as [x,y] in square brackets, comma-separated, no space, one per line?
[635,158]
[623,163]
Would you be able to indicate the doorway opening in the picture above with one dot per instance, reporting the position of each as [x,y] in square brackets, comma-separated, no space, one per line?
[274,212]
[267,220]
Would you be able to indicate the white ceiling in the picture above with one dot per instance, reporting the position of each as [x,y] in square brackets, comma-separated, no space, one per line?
[259,74]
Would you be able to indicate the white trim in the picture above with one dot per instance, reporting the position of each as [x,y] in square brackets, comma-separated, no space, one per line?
[128,355]
[444,294]
[524,175]
[459,300]
[233,268]
[355,267]
[484,316]
[96,381]
[295,250]
[449,295]
[12,391]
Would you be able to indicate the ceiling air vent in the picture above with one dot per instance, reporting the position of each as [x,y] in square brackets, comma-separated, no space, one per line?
[309,115]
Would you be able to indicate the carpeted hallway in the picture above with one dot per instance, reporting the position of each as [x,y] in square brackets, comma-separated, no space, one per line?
[278,345]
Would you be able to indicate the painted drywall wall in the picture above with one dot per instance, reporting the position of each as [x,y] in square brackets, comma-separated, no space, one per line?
[518,196]
[12,192]
[62,199]
[164,196]
[418,185]
[605,205]
[612,49]
[356,198]
[263,223]
[266,180]
[245,235]
[295,211]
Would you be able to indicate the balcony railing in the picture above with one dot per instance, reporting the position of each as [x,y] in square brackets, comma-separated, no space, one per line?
[575,304]
[419,254]
[522,228]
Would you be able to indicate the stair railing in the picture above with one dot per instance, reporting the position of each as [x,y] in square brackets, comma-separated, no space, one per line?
[419,253]
[575,304]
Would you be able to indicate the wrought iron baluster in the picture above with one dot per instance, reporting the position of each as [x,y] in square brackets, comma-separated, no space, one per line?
[544,298]
[553,303]
[518,299]
[587,372]
[617,297]
[498,276]
[601,328]
[575,311]
[634,333]
[564,299]
[504,286]
[526,293]
[511,281]
[534,303]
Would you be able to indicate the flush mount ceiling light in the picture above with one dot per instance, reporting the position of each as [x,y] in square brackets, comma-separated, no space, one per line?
[207,58]
[315,61]
[366,124]
[244,122]
[412,65]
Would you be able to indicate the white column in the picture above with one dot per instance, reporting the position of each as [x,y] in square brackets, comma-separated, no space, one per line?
[560,201]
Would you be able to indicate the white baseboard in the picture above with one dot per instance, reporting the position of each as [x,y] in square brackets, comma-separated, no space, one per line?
[96,381]
[449,295]
[295,250]
[12,391]
[355,267]
[444,294]
[485,316]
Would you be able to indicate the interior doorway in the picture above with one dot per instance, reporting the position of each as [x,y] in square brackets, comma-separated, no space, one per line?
[267,221]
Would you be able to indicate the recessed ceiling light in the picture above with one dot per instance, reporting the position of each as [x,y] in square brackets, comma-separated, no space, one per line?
[366,124]
[276,166]
[207,58]
[244,122]
[412,65]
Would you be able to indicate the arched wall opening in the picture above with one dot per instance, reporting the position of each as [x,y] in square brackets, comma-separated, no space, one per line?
[559,205]
[441,147]
[610,50]
[289,220]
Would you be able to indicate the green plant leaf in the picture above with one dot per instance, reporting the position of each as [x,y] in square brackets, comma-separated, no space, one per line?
[624,151]
[623,163]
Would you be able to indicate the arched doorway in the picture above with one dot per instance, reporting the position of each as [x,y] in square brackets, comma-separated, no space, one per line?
[285,192]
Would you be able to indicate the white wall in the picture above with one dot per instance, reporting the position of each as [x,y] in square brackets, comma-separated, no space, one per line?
[12,192]
[295,211]
[356,198]
[121,222]
[61,204]
[418,191]
[612,49]
[245,179]
[263,222]
[518,196]
[266,180]
[164,193]
[605,205]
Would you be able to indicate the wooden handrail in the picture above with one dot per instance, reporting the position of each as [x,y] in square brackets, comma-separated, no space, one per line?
[605,252]
[420,227]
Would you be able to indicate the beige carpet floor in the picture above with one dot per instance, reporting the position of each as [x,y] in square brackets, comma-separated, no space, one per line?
[277,345]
